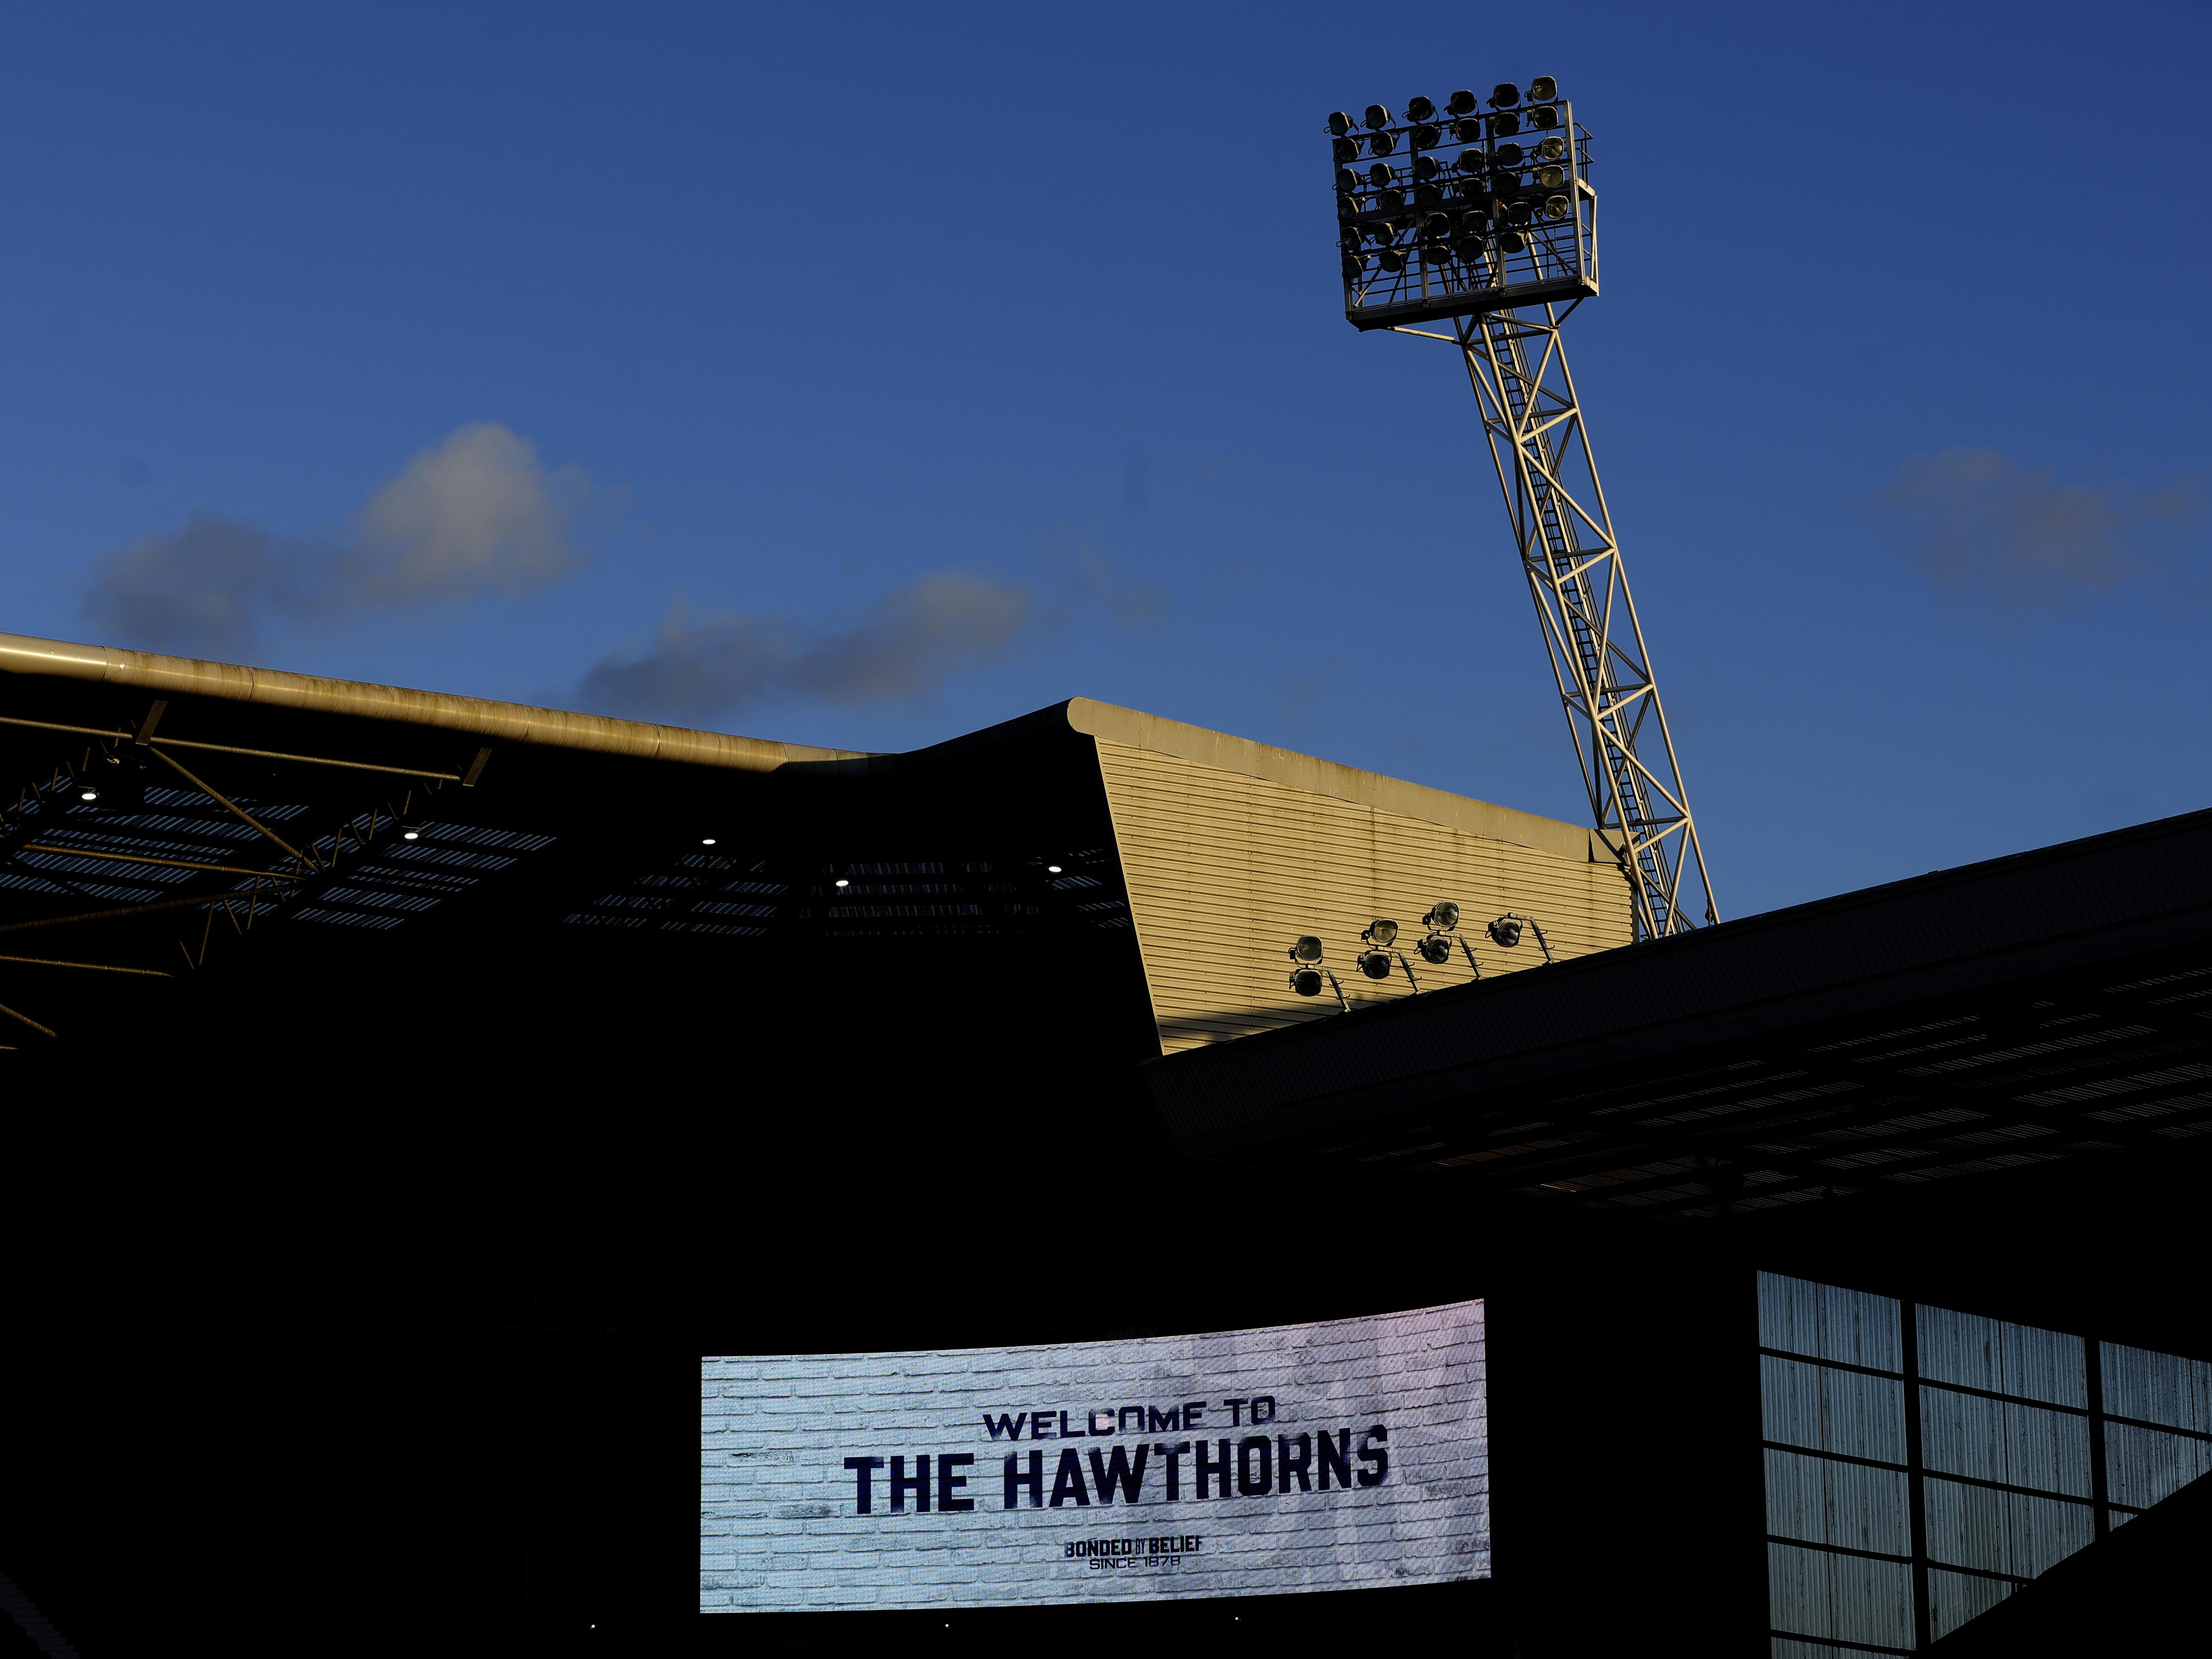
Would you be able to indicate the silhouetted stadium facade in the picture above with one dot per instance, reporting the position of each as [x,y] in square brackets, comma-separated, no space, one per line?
[419,1088]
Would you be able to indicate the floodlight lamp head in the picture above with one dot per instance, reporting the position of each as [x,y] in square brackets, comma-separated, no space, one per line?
[1558,207]
[1505,124]
[1305,948]
[1543,90]
[1444,916]
[1427,137]
[1505,95]
[1419,110]
[1345,149]
[1552,147]
[1339,123]
[1461,102]
[1379,174]
[1543,116]
[1435,949]
[706,840]
[411,832]
[1381,932]
[1510,155]
[1307,982]
[1376,964]
[87,789]
[1505,932]
[1377,117]
[1381,143]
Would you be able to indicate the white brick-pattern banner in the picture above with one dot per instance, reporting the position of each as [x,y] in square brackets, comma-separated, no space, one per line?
[1344,1455]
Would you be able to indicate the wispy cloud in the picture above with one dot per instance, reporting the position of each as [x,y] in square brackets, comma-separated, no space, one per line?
[478,514]
[2007,537]
[703,664]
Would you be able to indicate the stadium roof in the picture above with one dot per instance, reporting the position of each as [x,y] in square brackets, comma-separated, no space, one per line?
[2043,1006]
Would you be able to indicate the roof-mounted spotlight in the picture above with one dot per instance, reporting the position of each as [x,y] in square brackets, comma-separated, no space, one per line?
[1381,932]
[1376,964]
[1442,916]
[1461,102]
[706,840]
[1506,932]
[1054,869]
[87,789]
[843,882]
[1435,949]
[411,832]
[1308,977]
[1419,110]
[1543,90]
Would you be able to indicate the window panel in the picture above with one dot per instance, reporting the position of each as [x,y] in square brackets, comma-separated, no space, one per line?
[1829,1322]
[1813,1593]
[1833,1411]
[1953,1598]
[1828,1502]
[2142,1466]
[2159,1388]
[2002,1532]
[1996,1440]
[1989,1354]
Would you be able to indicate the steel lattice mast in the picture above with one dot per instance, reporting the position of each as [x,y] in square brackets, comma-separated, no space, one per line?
[1517,364]
[1475,227]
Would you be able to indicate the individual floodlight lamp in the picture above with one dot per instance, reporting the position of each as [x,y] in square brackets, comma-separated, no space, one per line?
[1376,964]
[1381,932]
[1506,932]
[1543,90]
[411,832]
[1377,117]
[1419,110]
[1307,977]
[1435,949]
[1442,916]
[1461,102]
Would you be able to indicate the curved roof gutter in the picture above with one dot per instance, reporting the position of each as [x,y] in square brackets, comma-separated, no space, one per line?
[503,722]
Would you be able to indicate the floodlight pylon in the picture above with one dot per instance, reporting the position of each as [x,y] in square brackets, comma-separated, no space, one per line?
[1525,257]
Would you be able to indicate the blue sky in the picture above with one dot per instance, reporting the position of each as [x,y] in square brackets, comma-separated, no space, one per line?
[902,369]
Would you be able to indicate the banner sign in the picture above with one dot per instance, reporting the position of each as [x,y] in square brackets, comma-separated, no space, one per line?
[1344,1455]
